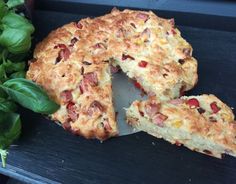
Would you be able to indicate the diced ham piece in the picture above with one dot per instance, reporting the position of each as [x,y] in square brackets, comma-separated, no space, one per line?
[172,22]
[106,125]
[83,86]
[182,90]
[79,25]
[133,25]
[82,70]
[152,108]
[73,41]
[143,16]
[64,53]
[114,69]
[214,107]
[66,125]
[95,106]
[91,78]
[60,45]
[66,96]
[100,46]
[86,63]
[193,103]
[201,110]
[181,61]
[187,52]
[159,119]
[72,111]
[141,113]
[146,34]
[151,93]
[124,57]
[177,101]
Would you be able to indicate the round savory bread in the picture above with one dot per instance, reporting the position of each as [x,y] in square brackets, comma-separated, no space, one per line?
[73,65]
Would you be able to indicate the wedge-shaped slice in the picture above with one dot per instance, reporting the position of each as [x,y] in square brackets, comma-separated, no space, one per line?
[201,123]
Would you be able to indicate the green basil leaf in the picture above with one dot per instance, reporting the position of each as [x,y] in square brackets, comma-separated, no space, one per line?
[13,67]
[17,57]
[7,105]
[2,72]
[10,129]
[15,21]
[29,95]
[2,93]
[3,8]
[16,41]
[14,3]
[20,74]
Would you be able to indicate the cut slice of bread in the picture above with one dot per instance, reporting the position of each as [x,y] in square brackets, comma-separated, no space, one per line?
[201,123]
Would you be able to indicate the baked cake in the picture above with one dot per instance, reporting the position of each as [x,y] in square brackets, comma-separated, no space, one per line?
[72,65]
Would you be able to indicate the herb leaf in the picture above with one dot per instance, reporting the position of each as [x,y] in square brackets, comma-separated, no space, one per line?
[13,67]
[14,3]
[12,20]
[20,74]
[3,8]
[10,128]
[16,41]
[29,95]
[7,105]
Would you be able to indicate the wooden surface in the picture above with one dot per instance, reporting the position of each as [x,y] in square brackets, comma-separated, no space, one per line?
[45,153]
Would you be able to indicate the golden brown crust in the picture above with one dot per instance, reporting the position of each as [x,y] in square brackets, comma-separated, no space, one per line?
[75,56]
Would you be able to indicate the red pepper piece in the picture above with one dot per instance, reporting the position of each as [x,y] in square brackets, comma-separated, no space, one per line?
[193,103]
[142,64]
[137,85]
[173,31]
[177,143]
[214,107]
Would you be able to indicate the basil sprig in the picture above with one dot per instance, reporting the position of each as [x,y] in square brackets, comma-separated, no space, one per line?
[15,42]
[29,95]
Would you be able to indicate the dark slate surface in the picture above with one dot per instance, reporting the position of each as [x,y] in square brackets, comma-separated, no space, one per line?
[45,153]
